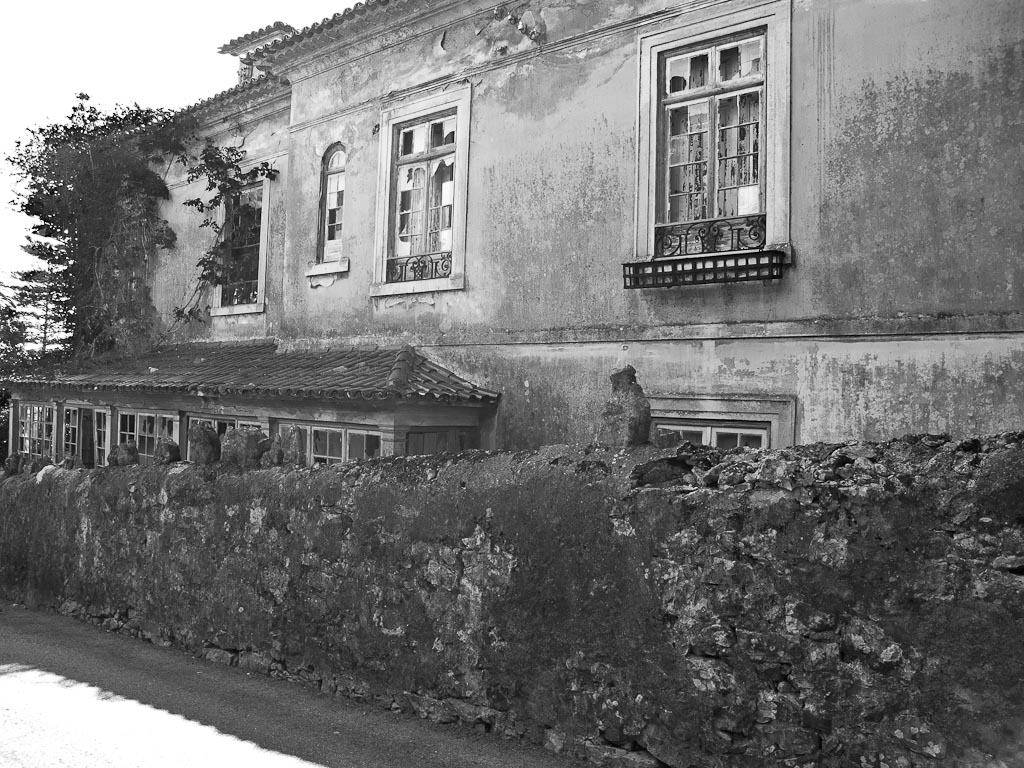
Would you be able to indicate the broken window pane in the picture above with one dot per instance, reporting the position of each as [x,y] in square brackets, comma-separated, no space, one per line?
[442,132]
[687,73]
[740,60]
[413,140]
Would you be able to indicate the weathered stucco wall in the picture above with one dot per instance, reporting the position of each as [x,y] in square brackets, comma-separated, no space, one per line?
[906,166]
[828,605]
[867,386]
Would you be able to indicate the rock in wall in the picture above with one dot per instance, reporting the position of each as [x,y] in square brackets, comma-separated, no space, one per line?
[826,605]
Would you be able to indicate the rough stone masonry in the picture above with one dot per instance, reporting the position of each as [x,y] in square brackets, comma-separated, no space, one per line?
[827,605]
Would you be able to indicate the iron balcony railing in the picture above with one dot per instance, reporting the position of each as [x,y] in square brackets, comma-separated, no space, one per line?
[426,266]
[728,250]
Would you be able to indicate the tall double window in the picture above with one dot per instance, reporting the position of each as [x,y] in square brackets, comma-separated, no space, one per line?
[35,430]
[421,220]
[243,236]
[713,122]
[421,245]
[714,144]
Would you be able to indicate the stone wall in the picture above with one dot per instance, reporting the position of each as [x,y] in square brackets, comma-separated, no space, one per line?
[827,605]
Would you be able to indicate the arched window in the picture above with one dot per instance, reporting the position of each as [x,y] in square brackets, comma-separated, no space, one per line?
[333,203]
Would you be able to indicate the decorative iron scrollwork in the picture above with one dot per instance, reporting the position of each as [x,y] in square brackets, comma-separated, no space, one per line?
[426,266]
[741,233]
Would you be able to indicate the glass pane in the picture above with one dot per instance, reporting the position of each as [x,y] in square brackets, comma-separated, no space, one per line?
[356,445]
[319,442]
[442,182]
[335,445]
[687,72]
[442,132]
[413,140]
[687,166]
[371,446]
[725,440]
[751,441]
[336,161]
[742,59]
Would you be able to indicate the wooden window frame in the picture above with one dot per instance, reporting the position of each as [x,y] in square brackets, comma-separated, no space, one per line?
[456,100]
[703,28]
[218,308]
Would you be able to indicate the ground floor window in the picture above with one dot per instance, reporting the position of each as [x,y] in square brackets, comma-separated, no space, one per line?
[722,435]
[145,429]
[101,430]
[335,444]
[221,424]
[35,429]
[71,431]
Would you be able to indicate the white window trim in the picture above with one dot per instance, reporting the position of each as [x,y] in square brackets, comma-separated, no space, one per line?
[777,411]
[329,252]
[459,98]
[261,285]
[693,28]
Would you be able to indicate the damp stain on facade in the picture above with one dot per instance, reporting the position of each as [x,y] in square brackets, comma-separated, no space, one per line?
[751,202]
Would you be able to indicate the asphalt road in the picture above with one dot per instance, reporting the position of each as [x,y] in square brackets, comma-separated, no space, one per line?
[72,694]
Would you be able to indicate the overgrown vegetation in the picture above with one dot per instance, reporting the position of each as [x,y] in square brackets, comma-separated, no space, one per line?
[94,183]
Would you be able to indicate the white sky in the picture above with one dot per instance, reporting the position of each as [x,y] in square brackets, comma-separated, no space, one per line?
[119,52]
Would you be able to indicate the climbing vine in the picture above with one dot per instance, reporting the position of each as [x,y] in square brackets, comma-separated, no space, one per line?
[94,183]
[223,263]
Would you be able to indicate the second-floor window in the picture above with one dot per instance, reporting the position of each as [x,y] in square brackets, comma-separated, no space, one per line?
[423,200]
[420,238]
[333,204]
[711,138]
[243,236]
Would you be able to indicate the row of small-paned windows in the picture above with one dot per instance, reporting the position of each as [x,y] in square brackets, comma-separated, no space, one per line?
[333,445]
[86,432]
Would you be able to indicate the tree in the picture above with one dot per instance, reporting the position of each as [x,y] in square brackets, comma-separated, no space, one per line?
[14,356]
[92,183]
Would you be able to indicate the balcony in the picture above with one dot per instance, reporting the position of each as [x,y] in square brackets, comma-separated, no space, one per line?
[710,251]
[427,266]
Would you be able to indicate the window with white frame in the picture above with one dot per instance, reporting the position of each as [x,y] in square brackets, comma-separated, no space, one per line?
[100,420]
[723,435]
[222,424]
[145,429]
[333,445]
[333,204]
[71,440]
[714,149]
[421,228]
[732,420]
[35,429]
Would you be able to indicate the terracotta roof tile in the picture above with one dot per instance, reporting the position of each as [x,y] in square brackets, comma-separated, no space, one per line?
[240,42]
[257,368]
[311,36]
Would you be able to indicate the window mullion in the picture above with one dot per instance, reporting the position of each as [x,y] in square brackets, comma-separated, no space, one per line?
[713,158]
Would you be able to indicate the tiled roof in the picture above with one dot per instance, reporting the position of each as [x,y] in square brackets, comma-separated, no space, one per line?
[262,86]
[240,42]
[258,369]
[311,36]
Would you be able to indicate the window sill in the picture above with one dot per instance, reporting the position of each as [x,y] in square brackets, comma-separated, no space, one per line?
[326,273]
[454,283]
[337,267]
[240,309]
